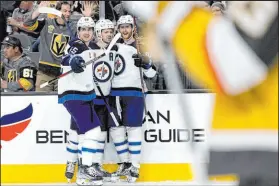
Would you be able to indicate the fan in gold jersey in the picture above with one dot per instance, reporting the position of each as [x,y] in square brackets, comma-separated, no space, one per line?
[237,57]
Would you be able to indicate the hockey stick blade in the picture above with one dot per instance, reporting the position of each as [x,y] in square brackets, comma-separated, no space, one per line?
[113,41]
[47,10]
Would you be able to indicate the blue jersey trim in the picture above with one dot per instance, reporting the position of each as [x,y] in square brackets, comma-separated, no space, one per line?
[71,150]
[70,97]
[126,93]
[99,101]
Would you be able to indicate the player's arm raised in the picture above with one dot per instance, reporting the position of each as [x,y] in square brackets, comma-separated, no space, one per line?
[32,23]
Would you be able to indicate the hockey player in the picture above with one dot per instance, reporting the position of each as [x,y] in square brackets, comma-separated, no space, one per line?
[127,101]
[238,59]
[73,148]
[76,93]
[103,72]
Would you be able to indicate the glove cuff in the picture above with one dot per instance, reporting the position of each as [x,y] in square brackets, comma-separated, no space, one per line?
[147,66]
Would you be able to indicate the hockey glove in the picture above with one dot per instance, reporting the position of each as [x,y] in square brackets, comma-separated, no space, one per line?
[77,64]
[140,61]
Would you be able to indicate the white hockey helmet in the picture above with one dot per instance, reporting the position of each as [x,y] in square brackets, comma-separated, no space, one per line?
[125,19]
[85,22]
[101,25]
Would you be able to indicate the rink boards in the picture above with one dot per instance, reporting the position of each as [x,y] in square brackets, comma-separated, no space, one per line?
[35,133]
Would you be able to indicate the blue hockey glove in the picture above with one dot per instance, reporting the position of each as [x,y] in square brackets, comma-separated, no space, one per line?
[77,64]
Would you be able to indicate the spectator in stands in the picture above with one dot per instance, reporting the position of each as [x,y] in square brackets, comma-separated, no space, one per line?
[54,36]
[6,9]
[110,10]
[79,5]
[119,9]
[3,24]
[218,8]
[18,72]
[19,16]
[35,45]
[9,5]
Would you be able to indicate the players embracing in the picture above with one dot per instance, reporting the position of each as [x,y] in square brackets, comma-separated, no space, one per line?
[114,79]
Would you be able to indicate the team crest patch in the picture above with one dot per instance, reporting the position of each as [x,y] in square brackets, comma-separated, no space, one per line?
[58,44]
[12,75]
[50,29]
[102,71]
[120,65]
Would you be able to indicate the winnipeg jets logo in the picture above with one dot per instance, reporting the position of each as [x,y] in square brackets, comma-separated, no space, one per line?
[102,71]
[119,65]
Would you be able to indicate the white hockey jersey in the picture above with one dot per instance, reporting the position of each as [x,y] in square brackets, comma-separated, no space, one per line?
[76,86]
[127,81]
[81,86]
[103,69]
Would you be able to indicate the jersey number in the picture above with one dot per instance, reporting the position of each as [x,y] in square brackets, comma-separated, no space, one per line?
[73,50]
[28,73]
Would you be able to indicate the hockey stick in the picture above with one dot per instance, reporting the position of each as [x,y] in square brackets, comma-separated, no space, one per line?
[114,40]
[48,10]
[140,69]
[106,103]
[100,90]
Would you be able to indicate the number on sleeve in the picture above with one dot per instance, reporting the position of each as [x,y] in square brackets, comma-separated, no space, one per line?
[27,73]
[73,50]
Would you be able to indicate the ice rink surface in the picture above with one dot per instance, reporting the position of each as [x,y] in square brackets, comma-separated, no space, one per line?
[137,184]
